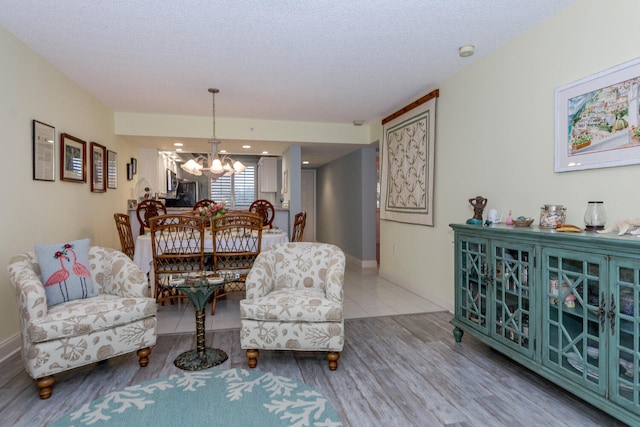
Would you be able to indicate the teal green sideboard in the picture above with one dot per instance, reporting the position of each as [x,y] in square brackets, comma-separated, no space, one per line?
[565,305]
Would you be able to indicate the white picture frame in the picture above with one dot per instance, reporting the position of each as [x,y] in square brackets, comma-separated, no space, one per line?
[598,120]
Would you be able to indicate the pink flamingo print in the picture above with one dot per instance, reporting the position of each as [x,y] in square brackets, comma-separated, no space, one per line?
[60,276]
[79,269]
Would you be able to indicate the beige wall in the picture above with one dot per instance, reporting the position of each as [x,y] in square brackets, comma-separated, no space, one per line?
[495,138]
[39,211]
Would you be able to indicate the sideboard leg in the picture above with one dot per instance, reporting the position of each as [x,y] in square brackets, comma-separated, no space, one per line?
[457,334]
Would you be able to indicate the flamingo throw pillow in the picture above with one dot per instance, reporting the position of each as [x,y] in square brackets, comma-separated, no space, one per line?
[65,271]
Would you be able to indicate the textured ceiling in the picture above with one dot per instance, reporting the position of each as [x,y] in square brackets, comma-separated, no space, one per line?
[302,60]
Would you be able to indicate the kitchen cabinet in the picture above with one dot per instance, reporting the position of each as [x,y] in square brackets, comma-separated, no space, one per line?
[268,174]
[565,305]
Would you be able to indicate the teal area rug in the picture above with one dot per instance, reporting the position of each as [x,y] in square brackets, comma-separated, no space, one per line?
[234,397]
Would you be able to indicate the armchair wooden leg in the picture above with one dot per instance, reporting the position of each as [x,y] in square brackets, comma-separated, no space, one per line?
[333,357]
[143,354]
[45,386]
[252,355]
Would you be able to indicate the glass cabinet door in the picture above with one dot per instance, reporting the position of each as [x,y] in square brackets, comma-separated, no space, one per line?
[624,332]
[472,282]
[574,318]
[512,296]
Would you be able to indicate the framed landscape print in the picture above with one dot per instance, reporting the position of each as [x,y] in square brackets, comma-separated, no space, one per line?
[112,169]
[98,166]
[44,152]
[73,159]
[598,120]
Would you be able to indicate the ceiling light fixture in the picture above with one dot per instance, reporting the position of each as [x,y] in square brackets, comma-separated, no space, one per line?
[466,50]
[213,166]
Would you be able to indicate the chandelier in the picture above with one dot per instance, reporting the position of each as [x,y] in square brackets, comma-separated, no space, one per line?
[213,166]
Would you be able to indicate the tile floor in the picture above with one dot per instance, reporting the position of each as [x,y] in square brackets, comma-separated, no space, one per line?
[366,295]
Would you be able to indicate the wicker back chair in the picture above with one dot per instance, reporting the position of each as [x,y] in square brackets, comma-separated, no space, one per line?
[202,203]
[265,209]
[237,238]
[123,224]
[148,209]
[177,242]
[299,221]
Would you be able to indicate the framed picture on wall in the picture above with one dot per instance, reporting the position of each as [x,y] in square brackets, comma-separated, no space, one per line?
[112,169]
[73,159]
[134,165]
[129,172]
[598,120]
[44,151]
[98,166]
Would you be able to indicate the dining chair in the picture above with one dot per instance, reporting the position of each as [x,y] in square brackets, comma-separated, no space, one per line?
[265,209]
[177,242]
[299,222]
[202,203]
[148,209]
[123,224]
[237,238]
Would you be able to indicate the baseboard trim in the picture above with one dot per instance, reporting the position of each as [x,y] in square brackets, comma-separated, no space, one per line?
[9,347]
[445,303]
[359,263]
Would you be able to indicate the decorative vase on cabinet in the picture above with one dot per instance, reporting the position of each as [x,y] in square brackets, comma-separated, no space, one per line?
[565,306]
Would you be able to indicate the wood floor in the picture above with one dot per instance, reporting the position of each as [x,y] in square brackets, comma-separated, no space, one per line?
[401,370]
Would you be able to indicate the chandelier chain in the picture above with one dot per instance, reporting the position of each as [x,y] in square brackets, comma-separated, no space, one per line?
[213,108]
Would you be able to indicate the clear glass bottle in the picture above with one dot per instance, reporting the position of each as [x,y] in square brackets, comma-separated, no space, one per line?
[595,217]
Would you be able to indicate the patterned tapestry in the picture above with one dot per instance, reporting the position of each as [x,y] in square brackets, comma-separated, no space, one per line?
[407,166]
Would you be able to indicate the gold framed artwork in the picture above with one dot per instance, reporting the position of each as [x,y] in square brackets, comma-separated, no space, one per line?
[112,169]
[73,159]
[44,152]
[98,166]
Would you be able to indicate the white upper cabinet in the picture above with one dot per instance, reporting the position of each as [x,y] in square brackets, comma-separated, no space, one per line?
[267,174]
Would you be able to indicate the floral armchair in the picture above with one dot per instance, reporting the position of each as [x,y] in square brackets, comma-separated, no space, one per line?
[121,319]
[294,301]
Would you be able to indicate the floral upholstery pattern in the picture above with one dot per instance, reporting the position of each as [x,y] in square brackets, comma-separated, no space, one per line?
[294,299]
[119,320]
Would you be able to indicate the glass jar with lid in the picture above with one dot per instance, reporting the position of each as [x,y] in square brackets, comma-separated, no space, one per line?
[552,216]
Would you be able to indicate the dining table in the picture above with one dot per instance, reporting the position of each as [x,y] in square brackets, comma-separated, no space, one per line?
[143,255]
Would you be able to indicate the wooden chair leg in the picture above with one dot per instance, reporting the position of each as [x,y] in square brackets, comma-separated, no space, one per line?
[45,386]
[333,357]
[252,355]
[143,354]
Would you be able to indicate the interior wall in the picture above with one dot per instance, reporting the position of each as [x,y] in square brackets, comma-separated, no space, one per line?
[346,204]
[42,211]
[292,164]
[495,138]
